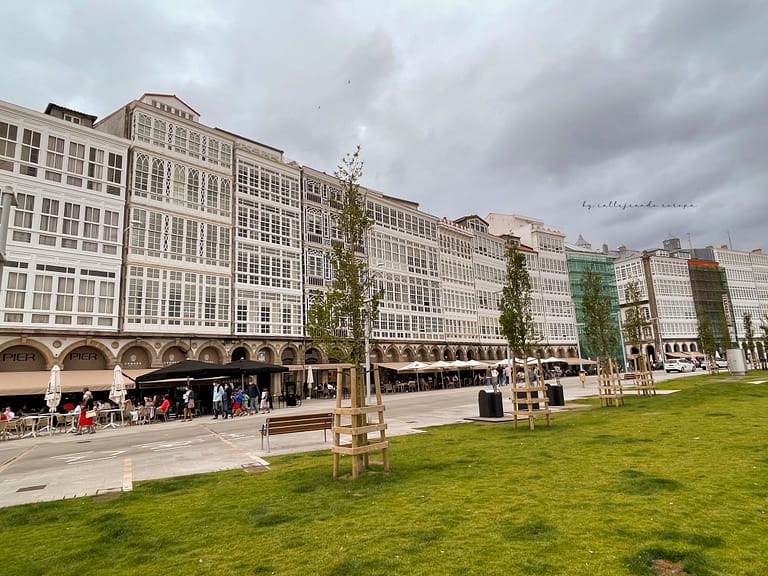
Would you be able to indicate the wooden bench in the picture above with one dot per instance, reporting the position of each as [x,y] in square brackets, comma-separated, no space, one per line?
[629,376]
[297,423]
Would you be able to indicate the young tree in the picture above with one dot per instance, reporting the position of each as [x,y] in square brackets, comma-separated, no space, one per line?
[706,335]
[634,320]
[600,331]
[337,319]
[749,333]
[516,319]
[764,338]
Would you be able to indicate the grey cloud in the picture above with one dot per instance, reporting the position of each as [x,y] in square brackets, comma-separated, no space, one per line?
[531,108]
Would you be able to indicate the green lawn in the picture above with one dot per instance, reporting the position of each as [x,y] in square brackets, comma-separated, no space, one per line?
[678,477]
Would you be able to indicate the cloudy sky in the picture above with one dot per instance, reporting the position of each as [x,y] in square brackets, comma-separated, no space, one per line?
[623,120]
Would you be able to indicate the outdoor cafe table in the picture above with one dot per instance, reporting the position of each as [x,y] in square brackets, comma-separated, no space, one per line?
[49,426]
[30,424]
[112,412]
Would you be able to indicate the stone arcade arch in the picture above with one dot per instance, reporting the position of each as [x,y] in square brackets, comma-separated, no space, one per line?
[240,353]
[266,354]
[172,354]
[313,355]
[87,356]
[136,357]
[392,354]
[211,352]
[27,356]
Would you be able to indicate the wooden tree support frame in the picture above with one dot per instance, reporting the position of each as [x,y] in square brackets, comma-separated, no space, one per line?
[354,421]
[644,377]
[609,387]
[712,367]
[526,395]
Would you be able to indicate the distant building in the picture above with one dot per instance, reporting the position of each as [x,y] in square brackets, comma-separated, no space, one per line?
[746,275]
[581,257]
[553,310]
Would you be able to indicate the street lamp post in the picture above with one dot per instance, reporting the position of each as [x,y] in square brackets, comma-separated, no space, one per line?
[578,348]
[657,337]
[621,337]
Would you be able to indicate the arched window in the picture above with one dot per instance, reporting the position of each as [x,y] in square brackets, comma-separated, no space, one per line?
[158,133]
[157,177]
[180,140]
[225,198]
[141,174]
[178,184]
[212,200]
[193,188]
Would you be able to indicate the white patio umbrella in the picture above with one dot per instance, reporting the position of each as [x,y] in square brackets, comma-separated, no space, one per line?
[117,391]
[414,366]
[53,392]
[310,381]
[442,365]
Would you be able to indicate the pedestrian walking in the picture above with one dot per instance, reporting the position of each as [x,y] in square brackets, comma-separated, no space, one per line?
[264,401]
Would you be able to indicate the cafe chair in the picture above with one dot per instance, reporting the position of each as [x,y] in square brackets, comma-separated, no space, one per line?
[161,415]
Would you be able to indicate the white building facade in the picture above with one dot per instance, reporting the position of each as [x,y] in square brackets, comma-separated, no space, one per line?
[552,303]
[61,277]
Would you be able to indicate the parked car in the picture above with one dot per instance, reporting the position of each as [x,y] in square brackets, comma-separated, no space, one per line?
[678,365]
[721,363]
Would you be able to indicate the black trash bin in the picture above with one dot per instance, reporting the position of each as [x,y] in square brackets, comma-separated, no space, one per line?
[290,399]
[490,404]
[523,405]
[555,394]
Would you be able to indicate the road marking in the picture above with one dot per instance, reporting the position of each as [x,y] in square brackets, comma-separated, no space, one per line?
[127,475]
[166,446]
[234,446]
[85,457]
[17,457]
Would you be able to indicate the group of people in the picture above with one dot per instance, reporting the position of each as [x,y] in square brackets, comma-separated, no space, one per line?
[229,402]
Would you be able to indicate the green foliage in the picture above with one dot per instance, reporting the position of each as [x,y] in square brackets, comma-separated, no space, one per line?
[634,320]
[516,319]
[749,334]
[670,478]
[600,331]
[706,335]
[764,328]
[337,319]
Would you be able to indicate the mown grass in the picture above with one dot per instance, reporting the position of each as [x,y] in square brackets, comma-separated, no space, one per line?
[680,477]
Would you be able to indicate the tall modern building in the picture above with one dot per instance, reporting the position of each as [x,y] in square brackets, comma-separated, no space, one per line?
[582,257]
[746,276]
[712,299]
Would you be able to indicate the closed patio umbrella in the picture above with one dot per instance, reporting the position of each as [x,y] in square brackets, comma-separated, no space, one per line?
[53,392]
[52,396]
[310,381]
[117,391]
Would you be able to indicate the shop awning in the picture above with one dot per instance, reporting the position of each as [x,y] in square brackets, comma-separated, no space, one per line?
[22,383]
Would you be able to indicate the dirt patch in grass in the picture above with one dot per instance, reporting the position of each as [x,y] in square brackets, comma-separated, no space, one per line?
[667,568]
